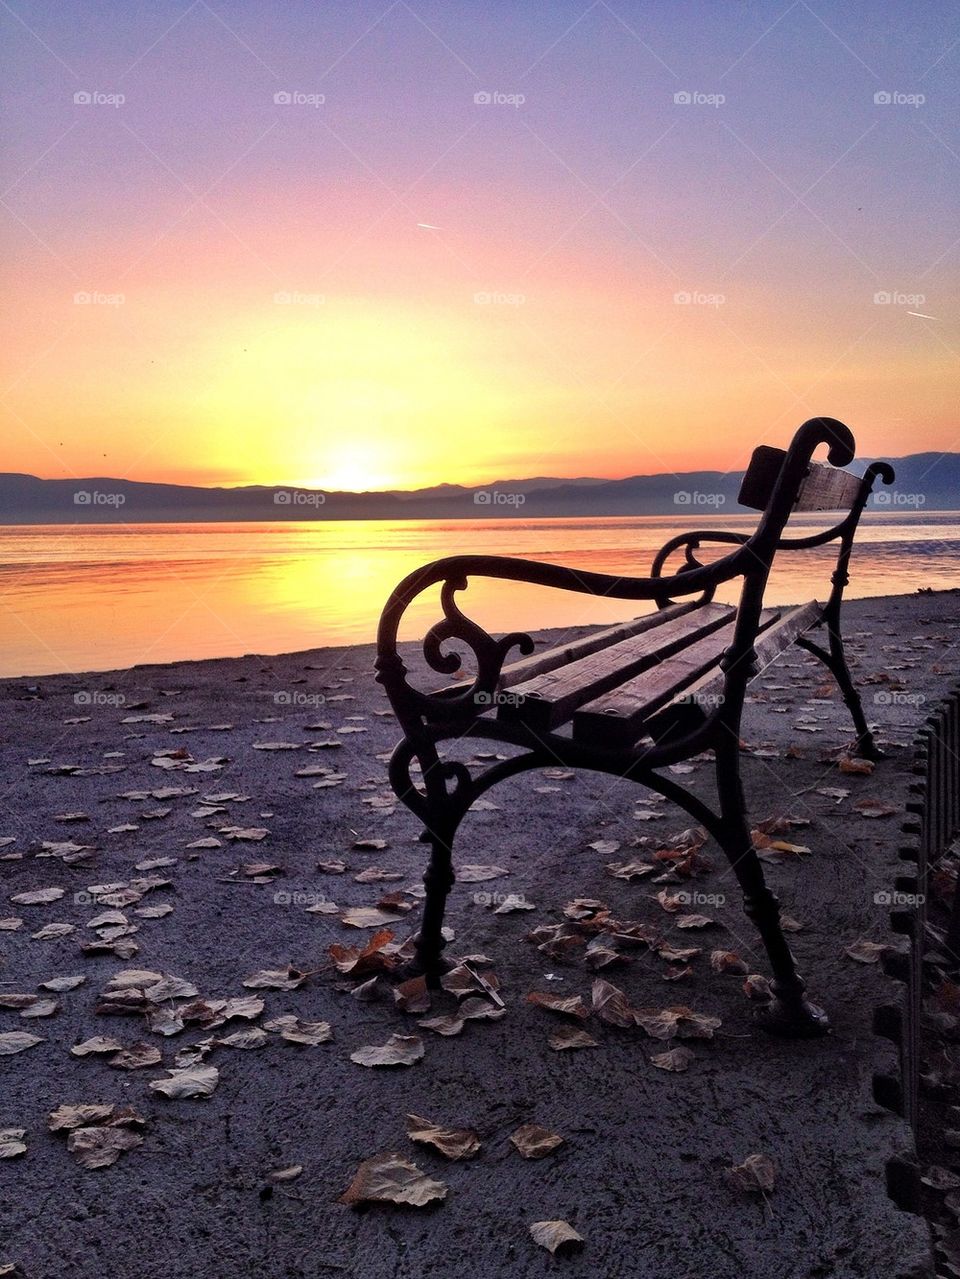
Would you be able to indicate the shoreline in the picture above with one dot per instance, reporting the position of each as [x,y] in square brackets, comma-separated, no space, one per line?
[541,636]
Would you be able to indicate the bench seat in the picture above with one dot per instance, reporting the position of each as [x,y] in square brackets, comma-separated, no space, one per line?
[548,699]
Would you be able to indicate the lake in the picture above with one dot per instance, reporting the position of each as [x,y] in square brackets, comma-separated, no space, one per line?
[104,597]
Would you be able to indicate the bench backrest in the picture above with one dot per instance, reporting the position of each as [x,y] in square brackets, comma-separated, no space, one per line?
[779,483]
[825,488]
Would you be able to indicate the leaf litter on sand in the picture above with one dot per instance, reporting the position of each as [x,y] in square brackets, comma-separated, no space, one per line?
[191,1081]
[399,1050]
[556,1236]
[453,1143]
[534,1142]
[389,1178]
[756,1175]
[97,1133]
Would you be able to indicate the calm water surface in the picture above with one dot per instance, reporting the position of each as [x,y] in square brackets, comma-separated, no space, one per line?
[97,598]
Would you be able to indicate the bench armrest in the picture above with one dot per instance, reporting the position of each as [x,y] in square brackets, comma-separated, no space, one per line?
[488,653]
[690,542]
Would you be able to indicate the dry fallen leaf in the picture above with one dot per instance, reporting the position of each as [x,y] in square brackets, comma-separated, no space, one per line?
[372,958]
[569,1037]
[369,917]
[756,1175]
[101,1147]
[758,988]
[98,1044]
[38,897]
[193,1081]
[41,1008]
[606,846]
[390,1178]
[534,1142]
[50,931]
[288,978]
[473,874]
[630,870]
[412,996]
[675,1059]
[556,1236]
[850,764]
[66,1116]
[295,1031]
[680,1022]
[866,952]
[399,1050]
[446,1024]
[135,1057]
[63,983]
[571,1006]
[696,921]
[875,807]
[611,1004]
[12,1143]
[250,1038]
[17,1041]
[454,1143]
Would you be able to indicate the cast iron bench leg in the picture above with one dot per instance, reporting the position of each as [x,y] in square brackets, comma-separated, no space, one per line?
[438,879]
[791,1014]
[836,662]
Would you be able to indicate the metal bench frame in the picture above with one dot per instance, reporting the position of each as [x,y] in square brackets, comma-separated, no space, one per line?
[446,788]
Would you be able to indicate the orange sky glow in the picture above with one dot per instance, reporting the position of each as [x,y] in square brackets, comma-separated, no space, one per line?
[209,288]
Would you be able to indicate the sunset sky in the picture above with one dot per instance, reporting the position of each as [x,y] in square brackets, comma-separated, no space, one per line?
[399,285]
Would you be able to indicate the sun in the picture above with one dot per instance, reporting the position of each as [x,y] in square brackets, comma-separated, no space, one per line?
[354,468]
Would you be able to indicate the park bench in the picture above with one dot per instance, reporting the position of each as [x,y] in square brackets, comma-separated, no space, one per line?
[632,699]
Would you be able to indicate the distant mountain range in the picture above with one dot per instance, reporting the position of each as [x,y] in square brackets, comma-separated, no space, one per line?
[925,481]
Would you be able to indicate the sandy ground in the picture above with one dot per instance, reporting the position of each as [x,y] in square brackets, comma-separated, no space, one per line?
[640,1174]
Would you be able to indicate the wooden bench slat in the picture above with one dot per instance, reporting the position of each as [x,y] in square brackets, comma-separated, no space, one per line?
[527,667]
[618,717]
[825,488]
[695,702]
[550,698]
